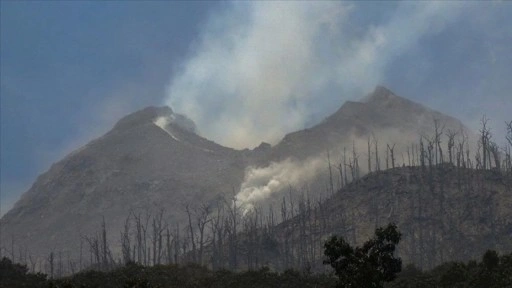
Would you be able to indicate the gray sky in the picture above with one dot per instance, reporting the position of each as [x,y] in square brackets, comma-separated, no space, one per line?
[246,72]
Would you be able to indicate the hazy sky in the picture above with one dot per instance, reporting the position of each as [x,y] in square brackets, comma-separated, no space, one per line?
[69,70]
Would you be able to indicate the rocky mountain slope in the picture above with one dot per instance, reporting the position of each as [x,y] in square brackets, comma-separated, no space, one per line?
[138,165]
[152,159]
[445,213]
[382,115]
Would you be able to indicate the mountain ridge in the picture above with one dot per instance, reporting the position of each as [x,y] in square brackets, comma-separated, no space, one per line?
[377,111]
[143,164]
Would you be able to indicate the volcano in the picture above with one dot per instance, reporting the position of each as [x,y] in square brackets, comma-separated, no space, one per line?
[153,160]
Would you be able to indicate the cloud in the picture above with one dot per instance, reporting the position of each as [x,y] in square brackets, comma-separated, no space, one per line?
[262,69]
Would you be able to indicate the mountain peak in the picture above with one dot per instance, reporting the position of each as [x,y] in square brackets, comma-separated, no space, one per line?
[380,94]
[143,116]
[163,114]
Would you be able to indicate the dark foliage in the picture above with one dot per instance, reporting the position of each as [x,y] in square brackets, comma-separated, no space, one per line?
[492,272]
[171,276]
[368,266]
[16,275]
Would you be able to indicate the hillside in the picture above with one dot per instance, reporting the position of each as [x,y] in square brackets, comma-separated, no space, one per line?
[445,213]
[137,166]
[381,115]
[153,163]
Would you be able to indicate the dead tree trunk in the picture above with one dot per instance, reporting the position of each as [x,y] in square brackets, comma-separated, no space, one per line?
[451,143]
[125,241]
[369,156]
[233,231]
[484,137]
[331,182]
[157,236]
[191,233]
[177,244]
[391,150]
[437,140]
[377,160]
[168,246]
[51,261]
[203,219]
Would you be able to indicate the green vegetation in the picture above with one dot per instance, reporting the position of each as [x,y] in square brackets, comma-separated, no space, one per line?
[373,265]
[16,275]
[169,276]
[368,266]
[492,271]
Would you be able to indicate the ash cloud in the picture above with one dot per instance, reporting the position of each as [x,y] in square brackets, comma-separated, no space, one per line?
[261,69]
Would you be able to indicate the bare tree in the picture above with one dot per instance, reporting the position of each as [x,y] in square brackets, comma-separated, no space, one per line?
[391,150]
[71,264]
[438,131]
[345,164]
[451,143]
[509,132]
[356,161]
[12,249]
[340,170]
[138,226]
[484,139]
[409,157]
[33,262]
[369,156]
[377,160]
[217,232]
[422,153]
[508,149]
[156,237]
[51,261]
[177,244]
[125,240]
[234,215]
[284,217]
[168,245]
[494,150]
[104,246]
[94,249]
[191,232]
[331,182]
[203,218]
[145,248]
[80,257]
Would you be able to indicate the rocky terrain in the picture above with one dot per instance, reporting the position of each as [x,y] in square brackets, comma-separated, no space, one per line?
[382,115]
[153,159]
[445,213]
[138,166]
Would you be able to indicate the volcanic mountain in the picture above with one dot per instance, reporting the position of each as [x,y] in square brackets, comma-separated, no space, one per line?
[149,160]
[381,115]
[153,159]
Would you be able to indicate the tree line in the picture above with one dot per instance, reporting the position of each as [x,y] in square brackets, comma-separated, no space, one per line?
[224,235]
[374,264]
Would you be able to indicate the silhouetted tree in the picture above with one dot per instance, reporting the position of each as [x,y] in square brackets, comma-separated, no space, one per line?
[17,275]
[368,266]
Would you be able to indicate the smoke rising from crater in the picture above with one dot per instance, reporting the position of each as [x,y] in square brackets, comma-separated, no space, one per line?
[261,69]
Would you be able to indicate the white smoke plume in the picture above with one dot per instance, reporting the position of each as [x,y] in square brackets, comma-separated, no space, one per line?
[162,122]
[260,183]
[262,69]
